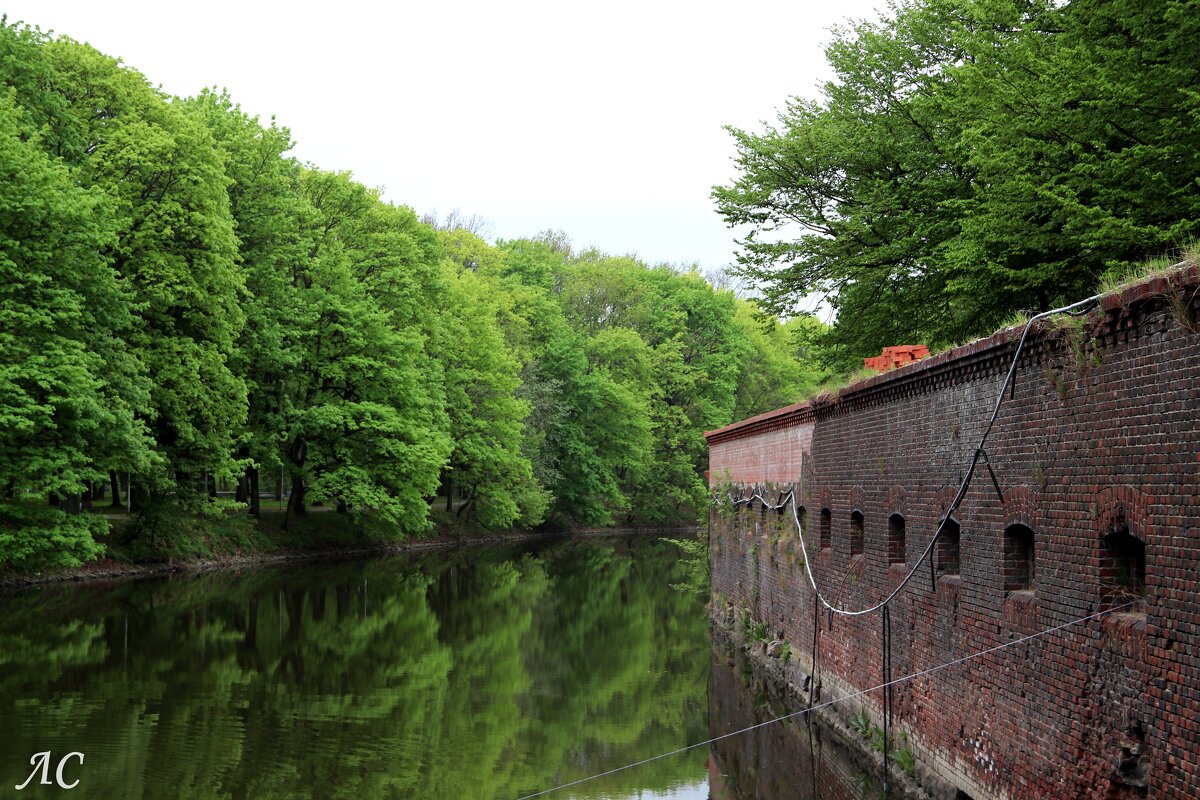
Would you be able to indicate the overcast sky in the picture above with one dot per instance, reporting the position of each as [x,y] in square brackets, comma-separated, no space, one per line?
[603,120]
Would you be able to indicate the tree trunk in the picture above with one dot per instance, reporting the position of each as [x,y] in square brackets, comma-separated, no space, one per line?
[342,508]
[115,485]
[211,484]
[73,503]
[296,501]
[449,494]
[295,504]
[252,491]
[240,493]
[54,500]
[296,454]
[467,505]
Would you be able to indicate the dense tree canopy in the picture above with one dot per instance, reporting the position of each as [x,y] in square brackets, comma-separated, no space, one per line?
[185,306]
[972,159]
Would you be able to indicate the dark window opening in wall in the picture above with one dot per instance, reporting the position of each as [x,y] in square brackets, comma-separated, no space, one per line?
[947,548]
[1122,568]
[826,528]
[961,795]
[896,553]
[1018,558]
[856,533]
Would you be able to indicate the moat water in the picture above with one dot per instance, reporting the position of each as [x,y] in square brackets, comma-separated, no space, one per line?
[473,673]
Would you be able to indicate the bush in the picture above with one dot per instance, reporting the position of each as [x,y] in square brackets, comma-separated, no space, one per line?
[164,530]
[36,537]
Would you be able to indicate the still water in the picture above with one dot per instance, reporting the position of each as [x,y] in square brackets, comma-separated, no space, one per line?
[457,674]
[473,673]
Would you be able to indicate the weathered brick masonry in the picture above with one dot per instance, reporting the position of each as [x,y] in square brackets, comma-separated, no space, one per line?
[1096,454]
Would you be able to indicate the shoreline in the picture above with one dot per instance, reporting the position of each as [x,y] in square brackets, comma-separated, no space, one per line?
[111,570]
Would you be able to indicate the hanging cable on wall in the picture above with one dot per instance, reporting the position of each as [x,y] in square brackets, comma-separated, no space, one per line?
[1007,386]
[1076,308]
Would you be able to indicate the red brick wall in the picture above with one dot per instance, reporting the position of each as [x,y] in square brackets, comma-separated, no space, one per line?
[1102,431]
[775,456]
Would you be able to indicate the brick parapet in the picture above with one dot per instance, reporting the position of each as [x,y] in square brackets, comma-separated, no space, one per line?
[1115,320]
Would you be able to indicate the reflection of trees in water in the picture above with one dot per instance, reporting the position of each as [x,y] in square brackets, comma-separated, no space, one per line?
[462,675]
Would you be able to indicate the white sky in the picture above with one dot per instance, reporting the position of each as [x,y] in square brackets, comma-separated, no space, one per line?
[602,120]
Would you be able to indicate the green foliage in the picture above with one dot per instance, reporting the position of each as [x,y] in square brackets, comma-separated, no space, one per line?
[771,373]
[157,165]
[900,752]
[905,759]
[34,537]
[62,319]
[273,245]
[970,160]
[785,652]
[160,532]
[860,723]
[753,629]
[486,415]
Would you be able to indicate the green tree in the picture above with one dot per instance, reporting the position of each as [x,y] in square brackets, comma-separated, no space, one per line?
[62,316]
[771,373]
[365,426]
[273,243]
[969,160]
[688,335]
[589,429]
[486,415]
[174,249]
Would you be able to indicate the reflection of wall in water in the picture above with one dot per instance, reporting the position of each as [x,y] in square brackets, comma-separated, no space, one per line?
[781,760]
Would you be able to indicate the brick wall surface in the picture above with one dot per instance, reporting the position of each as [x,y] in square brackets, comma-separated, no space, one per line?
[1100,434]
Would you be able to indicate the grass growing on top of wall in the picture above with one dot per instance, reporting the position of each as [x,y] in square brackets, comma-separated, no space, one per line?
[1122,278]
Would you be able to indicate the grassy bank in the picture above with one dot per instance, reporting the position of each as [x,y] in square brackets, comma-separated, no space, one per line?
[225,535]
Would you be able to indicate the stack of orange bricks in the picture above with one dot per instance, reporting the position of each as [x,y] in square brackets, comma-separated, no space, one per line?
[896,356]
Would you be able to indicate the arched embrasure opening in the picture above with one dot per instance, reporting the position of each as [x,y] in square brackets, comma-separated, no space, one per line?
[1122,567]
[896,548]
[947,548]
[1019,571]
[856,533]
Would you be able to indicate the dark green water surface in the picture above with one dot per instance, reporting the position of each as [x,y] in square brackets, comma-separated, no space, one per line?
[457,674]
